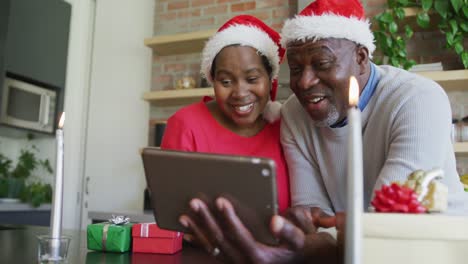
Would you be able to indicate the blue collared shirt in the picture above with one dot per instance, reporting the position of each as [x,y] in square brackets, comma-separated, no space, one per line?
[367,93]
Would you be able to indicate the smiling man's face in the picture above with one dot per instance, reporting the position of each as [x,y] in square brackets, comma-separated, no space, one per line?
[319,77]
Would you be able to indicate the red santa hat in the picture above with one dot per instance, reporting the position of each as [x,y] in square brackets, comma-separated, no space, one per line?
[245,30]
[330,19]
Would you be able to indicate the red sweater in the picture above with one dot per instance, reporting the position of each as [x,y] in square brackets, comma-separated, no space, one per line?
[193,128]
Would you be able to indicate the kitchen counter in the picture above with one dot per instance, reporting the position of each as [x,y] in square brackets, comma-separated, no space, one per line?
[15,207]
[135,217]
[24,214]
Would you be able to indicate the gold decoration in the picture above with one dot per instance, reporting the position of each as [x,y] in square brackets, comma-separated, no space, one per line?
[186,82]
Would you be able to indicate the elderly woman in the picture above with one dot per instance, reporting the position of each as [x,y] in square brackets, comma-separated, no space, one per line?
[242,62]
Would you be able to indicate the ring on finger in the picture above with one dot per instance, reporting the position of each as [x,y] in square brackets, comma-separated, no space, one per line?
[215,252]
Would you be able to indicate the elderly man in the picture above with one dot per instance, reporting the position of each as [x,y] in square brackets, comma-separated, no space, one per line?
[406,119]
[406,122]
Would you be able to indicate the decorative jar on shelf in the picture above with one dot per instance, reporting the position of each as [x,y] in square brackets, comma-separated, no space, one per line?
[464,129]
[184,81]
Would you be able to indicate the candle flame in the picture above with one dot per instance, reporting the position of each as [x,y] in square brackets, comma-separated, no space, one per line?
[353,91]
[62,120]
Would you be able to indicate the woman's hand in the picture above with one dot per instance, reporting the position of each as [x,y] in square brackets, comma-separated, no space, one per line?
[222,233]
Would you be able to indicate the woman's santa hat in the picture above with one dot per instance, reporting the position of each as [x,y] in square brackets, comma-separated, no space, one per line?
[246,30]
[330,19]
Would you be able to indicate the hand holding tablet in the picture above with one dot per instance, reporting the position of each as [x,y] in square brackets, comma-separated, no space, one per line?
[174,178]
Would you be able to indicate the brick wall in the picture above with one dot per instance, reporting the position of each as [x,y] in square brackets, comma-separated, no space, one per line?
[180,16]
[428,47]
[177,16]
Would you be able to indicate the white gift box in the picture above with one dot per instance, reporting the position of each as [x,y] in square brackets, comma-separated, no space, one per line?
[415,238]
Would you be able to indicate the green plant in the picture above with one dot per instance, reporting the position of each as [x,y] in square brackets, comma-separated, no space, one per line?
[16,177]
[37,193]
[453,23]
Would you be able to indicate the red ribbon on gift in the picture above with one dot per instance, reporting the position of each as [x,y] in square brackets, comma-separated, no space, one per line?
[397,199]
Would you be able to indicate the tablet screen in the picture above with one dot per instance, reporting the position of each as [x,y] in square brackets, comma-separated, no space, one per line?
[175,177]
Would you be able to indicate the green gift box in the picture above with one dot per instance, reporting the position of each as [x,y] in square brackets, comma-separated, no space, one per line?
[109,237]
[93,257]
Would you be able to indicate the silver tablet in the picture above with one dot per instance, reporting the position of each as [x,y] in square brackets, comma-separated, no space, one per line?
[175,177]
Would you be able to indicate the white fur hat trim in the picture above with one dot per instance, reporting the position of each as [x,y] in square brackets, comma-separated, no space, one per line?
[313,28]
[245,36]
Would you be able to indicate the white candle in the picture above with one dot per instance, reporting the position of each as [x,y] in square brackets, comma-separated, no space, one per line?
[354,209]
[56,218]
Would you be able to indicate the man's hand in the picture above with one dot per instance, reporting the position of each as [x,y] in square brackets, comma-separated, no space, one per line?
[320,246]
[308,219]
[221,232]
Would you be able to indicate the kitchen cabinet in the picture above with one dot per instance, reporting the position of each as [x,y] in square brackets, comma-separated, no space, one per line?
[135,217]
[4,15]
[37,42]
[24,214]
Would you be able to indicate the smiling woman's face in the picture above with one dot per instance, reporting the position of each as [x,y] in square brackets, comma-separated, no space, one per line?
[241,85]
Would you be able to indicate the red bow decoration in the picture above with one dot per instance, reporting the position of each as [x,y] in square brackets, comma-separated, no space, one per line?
[397,199]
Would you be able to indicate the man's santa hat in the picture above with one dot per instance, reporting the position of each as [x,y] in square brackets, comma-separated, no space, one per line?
[246,30]
[330,19]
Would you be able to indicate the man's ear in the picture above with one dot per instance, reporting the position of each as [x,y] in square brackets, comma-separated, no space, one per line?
[362,58]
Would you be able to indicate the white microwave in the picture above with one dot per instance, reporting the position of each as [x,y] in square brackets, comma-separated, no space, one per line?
[29,106]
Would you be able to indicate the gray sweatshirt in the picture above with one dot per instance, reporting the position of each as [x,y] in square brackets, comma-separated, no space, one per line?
[406,126]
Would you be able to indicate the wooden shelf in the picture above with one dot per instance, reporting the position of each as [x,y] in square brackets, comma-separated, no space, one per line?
[410,20]
[179,43]
[449,80]
[461,148]
[411,11]
[177,97]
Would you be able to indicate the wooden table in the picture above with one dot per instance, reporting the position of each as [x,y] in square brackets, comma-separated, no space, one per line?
[18,244]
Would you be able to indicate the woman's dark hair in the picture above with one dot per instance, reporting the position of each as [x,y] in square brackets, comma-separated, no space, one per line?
[265,61]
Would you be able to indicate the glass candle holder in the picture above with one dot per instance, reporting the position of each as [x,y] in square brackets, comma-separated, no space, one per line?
[52,250]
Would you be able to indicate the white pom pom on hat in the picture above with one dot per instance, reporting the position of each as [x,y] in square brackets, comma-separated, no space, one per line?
[272,111]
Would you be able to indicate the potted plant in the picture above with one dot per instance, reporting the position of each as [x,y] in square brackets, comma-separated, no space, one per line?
[452,17]
[17,181]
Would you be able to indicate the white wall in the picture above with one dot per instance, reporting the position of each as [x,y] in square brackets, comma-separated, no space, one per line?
[106,120]
[10,147]
[117,117]
[302,3]
[76,98]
